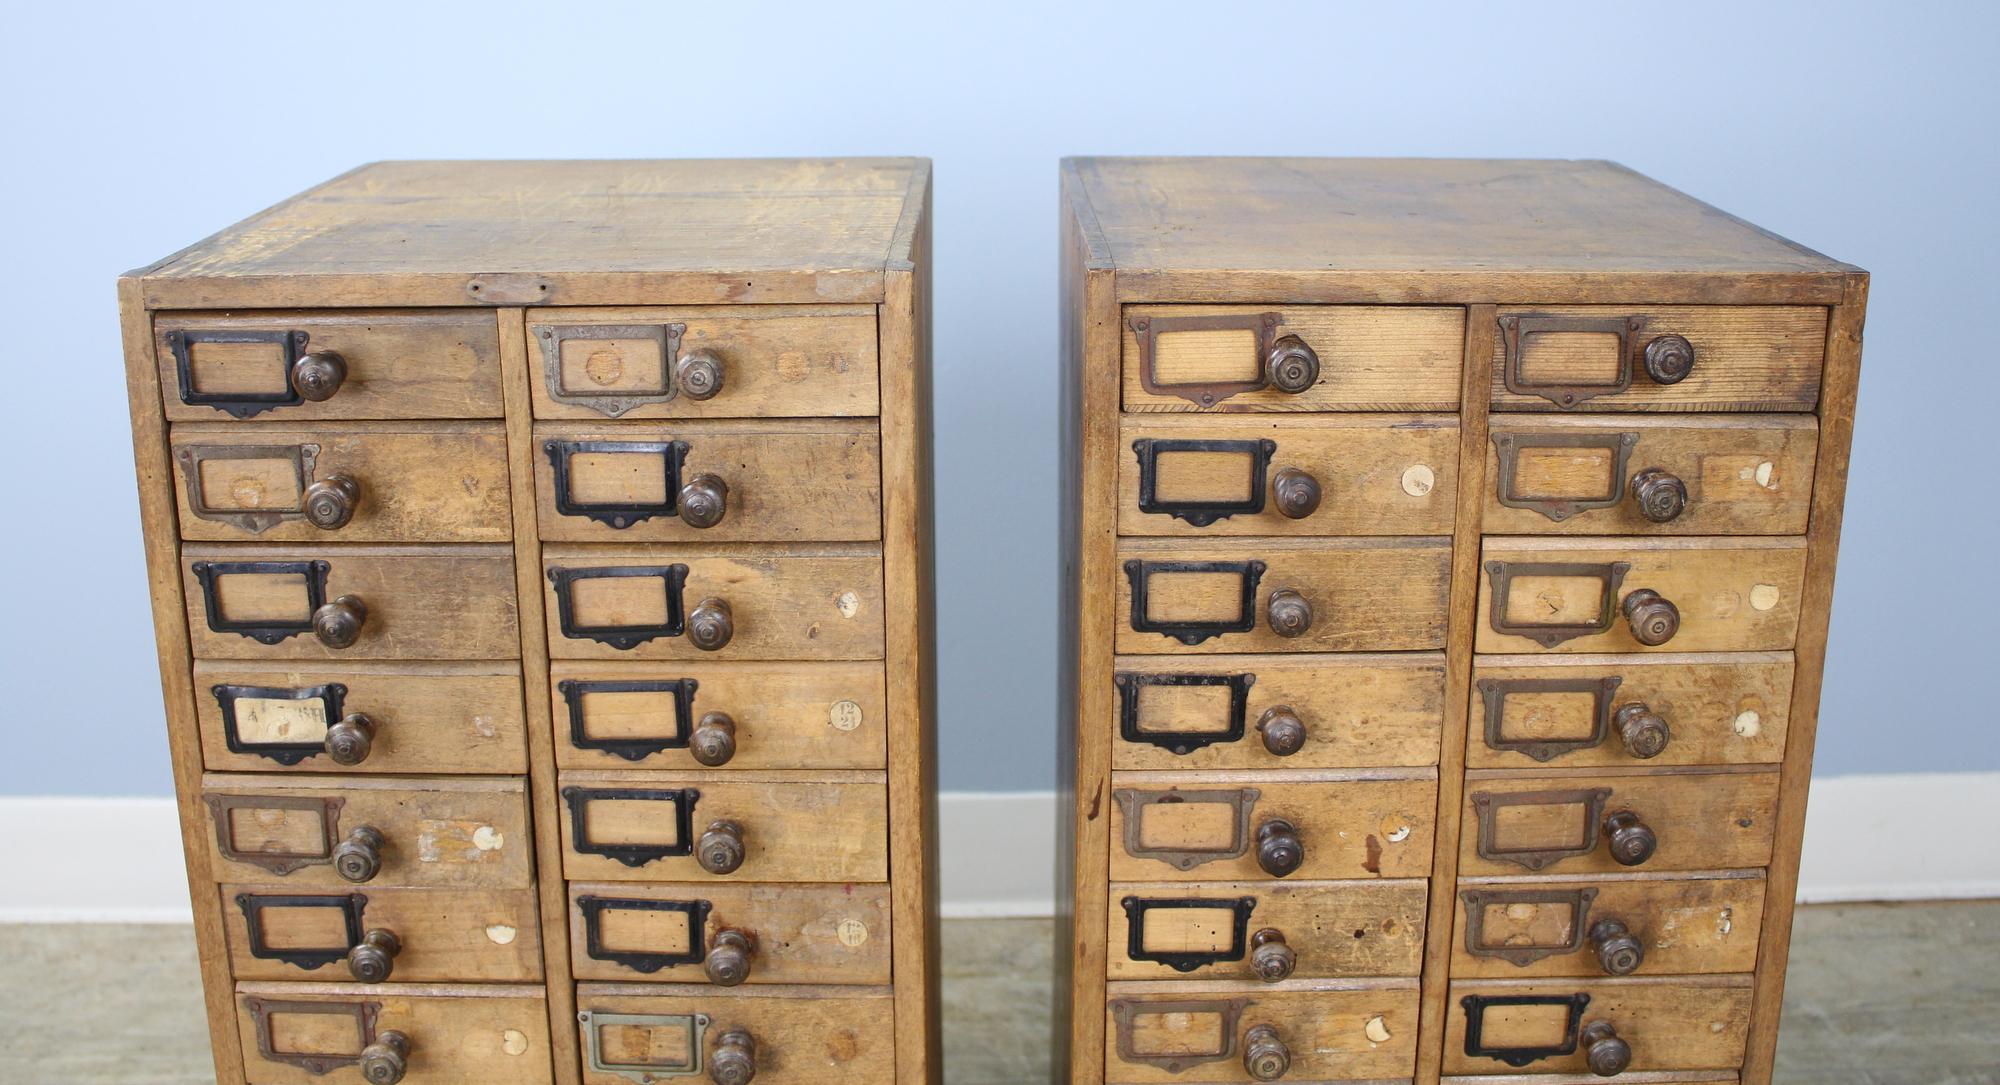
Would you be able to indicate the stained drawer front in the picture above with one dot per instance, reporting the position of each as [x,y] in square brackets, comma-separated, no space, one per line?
[1730,475]
[357,482]
[792,827]
[1266,931]
[1304,1030]
[1305,358]
[1544,1027]
[1282,595]
[691,716]
[1668,358]
[318,365]
[1620,711]
[1363,474]
[320,1034]
[350,832]
[1253,826]
[1636,595]
[710,482]
[365,934]
[798,602]
[730,934]
[782,1035]
[1291,712]
[351,602]
[1572,824]
[731,361]
[1609,926]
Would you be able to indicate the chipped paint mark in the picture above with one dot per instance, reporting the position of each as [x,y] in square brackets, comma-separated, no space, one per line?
[1373,863]
[513,1041]
[1377,1030]
[500,934]
[848,603]
[1725,922]
[483,727]
[1419,480]
[1764,597]
[488,838]
[1748,723]
[1399,834]
[1764,475]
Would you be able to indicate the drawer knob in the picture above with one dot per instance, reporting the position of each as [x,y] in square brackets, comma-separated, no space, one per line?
[1654,618]
[1644,732]
[700,374]
[728,960]
[1297,493]
[1284,733]
[704,498]
[330,502]
[359,857]
[1631,842]
[1669,359]
[1619,951]
[1606,1054]
[1660,495]
[317,376]
[386,1060]
[714,739]
[373,959]
[720,850]
[1292,367]
[349,741]
[1288,613]
[734,1060]
[1265,1056]
[1270,957]
[1279,850]
[709,625]
[338,624]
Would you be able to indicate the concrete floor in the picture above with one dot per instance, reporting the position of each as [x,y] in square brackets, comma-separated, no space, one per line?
[1879,995]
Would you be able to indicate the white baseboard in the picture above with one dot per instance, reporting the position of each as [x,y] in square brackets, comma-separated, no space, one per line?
[1868,838]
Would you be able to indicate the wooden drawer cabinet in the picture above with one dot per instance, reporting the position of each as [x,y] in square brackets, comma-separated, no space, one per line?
[523,633]
[1448,553]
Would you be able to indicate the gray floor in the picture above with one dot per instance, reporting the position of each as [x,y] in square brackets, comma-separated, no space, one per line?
[1879,995]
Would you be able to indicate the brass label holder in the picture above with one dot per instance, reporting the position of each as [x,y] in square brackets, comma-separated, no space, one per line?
[1134,801]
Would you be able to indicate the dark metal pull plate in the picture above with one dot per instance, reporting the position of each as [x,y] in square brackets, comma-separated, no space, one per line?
[300,458]
[313,573]
[1509,446]
[1495,691]
[611,402]
[631,749]
[693,1025]
[1191,633]
[593,909]
[263,1009]
[330,696]
[1517,330]
[1488,807]
[1133,802]
[1548,635]
[1517,1057]
[222,808]
[1137,908]
[673,580]
[291,345]
[1125,1010]
[1131,690]
[1148,329]
[1477,901]
[254,905]
[619,516]
[632,855]
[1257,458]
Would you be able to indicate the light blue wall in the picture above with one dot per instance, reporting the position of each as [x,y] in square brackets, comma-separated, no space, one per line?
[1864,130]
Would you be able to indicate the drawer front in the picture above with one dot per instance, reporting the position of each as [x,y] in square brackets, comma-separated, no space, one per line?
[310,1034]
[701,482]
[1612,926]
[1327,358]
[362,482]
[1698,821]
[1249,826]
[729,934]
[1619,595]
[1283,595]
[1743,475]
[1669,358]
[409,364]
[1620,711]
[362,833]
[365,934]
[1266,931]
[1537,1027]
[704,362]
[795,1036]
[692,716]
[658,828]
[799,603]
[1364,474]
[300,602]
[380,717]
[1317,1031]
[1289,712]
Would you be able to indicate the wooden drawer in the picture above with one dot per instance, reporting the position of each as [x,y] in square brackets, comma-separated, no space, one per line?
[807,361]
[1370,357]
[316,1033]
[459,833]
[1362,474]
[482,935]
[398,364]
[1670,1024]
[1330,1030]
[1744,358]
[690,933]
[1577,711]
[1565,824]
[1237,712]
[798,1035]
[411,482]
[781,481]
[418,602]
[1728,475]
[1585,595]
[1163,930]
[1360,595]
[1683,924]
[1168,826]
[789,827]
[779,715]
[794,602]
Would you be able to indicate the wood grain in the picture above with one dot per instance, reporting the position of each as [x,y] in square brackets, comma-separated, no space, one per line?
[1746,359]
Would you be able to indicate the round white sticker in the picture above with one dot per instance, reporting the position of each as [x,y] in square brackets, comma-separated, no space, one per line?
[844,715]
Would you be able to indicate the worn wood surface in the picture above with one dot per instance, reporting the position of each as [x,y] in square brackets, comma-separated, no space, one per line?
[1688,923]
[1336,928]
[1371,358]
[803,1035]
[1676,1023]
[473,935]
[1365,824]
[837,933]
[459,1034]
[1704,820]
[1335,1030]
[1745,359]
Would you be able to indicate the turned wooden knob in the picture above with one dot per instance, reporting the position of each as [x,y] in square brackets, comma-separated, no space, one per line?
[734,1060]
[385,1061]
[1291,366]
[709,625]
[1603,1051]
[704,498]
[1661,497]
[699,373]
[1297,493]
[1288,613]
[714,739]
[349,741]
[1284,733]
[317,376]
[1631,842]
[1653,618]
[330,502]
[1669,359]
[728,959]
[1270,957]
[1619,951]
[1643,730]
[359,857]
[373,959]
[338,624]
[720,849]
[1265,1056]
[1279,849]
